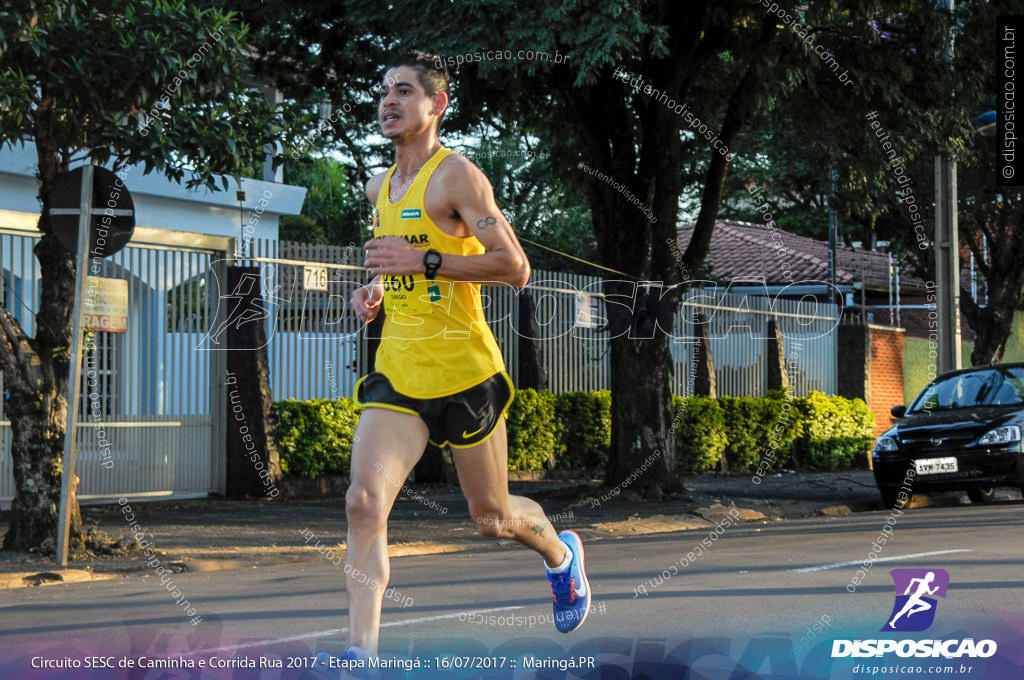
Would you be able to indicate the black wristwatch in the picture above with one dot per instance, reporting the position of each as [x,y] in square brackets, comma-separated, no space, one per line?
[431,262]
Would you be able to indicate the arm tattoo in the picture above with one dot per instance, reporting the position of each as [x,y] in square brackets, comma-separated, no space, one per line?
[486,222]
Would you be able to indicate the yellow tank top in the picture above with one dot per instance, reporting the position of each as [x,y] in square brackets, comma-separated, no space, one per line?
[436,340]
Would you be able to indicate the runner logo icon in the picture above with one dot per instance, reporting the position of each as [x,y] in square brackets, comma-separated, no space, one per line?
[914,609]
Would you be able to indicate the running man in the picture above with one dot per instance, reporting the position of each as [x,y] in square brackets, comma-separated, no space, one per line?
[439,373]
[914,603]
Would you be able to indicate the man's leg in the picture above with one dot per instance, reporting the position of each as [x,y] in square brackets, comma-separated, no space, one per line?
[385,449]
[483,476]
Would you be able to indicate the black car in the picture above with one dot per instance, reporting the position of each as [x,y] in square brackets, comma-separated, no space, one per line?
[963,432]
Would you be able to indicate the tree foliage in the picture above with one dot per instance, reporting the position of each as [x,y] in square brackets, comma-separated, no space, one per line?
[335,211]
[546,214]
[157,84]
[878,204]
[891,200]
[741,75]
[752,81]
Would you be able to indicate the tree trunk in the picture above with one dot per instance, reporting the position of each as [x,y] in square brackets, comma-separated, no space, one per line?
[436,466]
[531,367]
[993,325]
[778,378]
[705,383]
[38,423]
[36,372]
[641,367]
[254,464]
[991,341]
[1002,267]
[992,226]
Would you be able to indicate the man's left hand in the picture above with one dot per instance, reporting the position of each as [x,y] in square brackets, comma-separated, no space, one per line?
[394,256]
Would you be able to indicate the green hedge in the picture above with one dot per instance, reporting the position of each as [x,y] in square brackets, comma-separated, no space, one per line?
[586,420]
[837,431]
[315,436]
[699,424]
[573,430]
[534,433]
[754,425]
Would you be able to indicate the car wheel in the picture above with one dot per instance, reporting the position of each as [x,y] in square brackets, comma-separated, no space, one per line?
[983,495]
[890,499]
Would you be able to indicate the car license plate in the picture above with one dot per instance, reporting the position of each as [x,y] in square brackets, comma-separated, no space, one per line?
[931,466]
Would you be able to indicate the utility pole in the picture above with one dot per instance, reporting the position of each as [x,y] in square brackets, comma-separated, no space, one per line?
[833,229]
[947,251]
[833,237]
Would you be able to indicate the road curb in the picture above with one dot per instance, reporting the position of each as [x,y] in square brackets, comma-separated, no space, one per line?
[615,522]
[53,577]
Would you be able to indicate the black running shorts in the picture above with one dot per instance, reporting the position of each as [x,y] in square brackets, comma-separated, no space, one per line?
[461,420]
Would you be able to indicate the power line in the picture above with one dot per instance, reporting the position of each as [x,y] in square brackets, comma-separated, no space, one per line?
[578,259]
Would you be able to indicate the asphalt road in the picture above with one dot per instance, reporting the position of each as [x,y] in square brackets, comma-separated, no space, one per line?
[758,581]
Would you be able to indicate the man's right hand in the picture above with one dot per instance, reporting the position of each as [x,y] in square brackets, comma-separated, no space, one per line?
[365,300]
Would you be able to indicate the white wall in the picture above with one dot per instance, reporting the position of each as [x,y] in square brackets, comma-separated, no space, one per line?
[159,202]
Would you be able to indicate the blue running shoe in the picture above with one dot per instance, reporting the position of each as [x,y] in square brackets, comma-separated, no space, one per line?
[352,665]
[571,589]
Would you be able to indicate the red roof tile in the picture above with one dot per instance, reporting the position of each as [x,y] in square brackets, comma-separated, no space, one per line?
[746,250]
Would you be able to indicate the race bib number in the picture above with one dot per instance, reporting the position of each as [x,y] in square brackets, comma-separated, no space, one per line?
[414,295]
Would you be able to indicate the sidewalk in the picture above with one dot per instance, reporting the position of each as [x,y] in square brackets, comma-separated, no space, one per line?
[215,533]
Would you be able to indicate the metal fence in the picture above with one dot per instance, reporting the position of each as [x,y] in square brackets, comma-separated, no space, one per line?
[148,407]
[737,327]
[576,355]
[313,342]
[315,348]
[155,404]
[573,344]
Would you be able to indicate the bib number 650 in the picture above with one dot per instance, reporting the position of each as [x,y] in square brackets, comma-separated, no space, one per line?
[397,283]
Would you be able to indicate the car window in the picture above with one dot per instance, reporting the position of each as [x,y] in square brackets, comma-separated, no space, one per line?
[984,387]
[1007,395]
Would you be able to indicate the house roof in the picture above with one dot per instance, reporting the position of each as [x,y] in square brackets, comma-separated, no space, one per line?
[747,250]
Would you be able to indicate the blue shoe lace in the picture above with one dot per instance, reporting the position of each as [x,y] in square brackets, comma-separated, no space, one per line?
[563,587]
